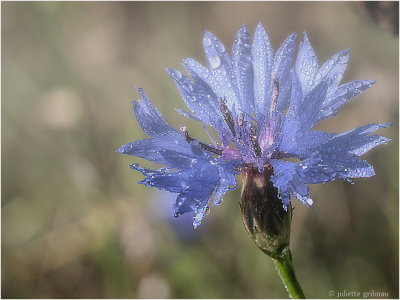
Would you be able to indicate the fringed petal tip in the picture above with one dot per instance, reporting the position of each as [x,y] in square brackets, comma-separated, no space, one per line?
[198,218]
[121,150]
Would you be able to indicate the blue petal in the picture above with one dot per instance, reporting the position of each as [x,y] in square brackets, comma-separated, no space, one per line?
[282,64]
[198,218]
[263,58]
[328,165]
[200,99]
[174,153]
[227,181]
[304,145]
[302,115]
[306,65]
[243,70]
[220,65]
[201,183]
[308,110]
[342,95]
[194,185]
[150,120]
[219,80]
[188,115]
[332,70]
[164,179]
[358,141]
[286,180]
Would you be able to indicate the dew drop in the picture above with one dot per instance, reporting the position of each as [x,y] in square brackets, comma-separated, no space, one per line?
[178,74]
[220,48]
[207,211]
[207,41]
[214,61]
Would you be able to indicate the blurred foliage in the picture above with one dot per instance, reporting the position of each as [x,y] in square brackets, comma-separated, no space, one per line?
[74,221]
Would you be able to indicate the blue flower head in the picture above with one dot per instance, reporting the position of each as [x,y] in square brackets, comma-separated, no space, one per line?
[263,106]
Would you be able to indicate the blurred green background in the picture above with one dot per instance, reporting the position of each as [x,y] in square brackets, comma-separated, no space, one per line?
[74,221]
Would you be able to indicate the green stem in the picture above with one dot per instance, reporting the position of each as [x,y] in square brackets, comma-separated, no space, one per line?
[283,264]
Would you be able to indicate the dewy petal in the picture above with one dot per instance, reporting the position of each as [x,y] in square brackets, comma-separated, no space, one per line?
[309,109]
[198,218]
[302,115]
[304,145]
[287,181]
[219,80]
[227,182]
[150,120]
[220,65]
[198,97]
[164,179]
[327,165]
[342,95]
[203,180]
[243,70]
[282,64]
[306,65]
[332,70]
[324,165]
[358,141]
[282,176]
[173,153]
[188,115]
[262,58]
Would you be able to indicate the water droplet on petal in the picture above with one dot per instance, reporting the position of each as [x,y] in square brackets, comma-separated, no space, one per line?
[178,74]
[214,61]
[220,48]
[207,42]
[207,211]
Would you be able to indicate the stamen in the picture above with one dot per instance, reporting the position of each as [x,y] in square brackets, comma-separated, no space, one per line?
[227,116]
[275,92]
[210,149]
[185,133]
[206,147]
[240,123]
[254,141]
[241,120]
